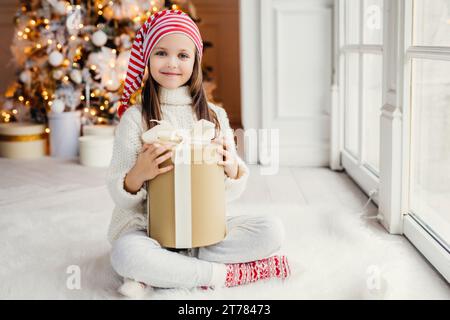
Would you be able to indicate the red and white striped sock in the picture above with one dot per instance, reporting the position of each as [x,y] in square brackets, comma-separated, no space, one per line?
[243,273]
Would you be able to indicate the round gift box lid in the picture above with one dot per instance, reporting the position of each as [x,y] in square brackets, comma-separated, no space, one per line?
[102,129]
[21,128]
[95,140]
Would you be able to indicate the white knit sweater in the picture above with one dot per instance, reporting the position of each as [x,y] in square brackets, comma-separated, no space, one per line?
[130,210]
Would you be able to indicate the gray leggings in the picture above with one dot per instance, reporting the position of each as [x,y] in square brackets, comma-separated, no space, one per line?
[250,237]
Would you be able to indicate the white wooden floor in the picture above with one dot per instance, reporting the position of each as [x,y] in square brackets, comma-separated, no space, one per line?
[55,213]
[303,186]
[345,226]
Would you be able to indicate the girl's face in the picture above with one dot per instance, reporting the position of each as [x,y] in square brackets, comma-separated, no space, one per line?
[172,60]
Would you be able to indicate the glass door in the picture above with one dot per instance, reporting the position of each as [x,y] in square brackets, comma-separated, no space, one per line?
[427,101]
[362,71]
[429,184]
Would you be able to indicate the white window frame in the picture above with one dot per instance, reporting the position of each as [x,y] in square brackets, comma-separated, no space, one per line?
[423,238]
[359,171]
[395,130]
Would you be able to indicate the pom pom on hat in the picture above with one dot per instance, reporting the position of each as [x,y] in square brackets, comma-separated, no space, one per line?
[157,26]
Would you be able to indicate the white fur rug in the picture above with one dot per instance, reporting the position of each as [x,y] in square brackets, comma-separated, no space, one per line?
[334,253]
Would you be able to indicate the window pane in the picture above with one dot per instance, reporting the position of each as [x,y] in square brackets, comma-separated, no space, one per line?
[372,100]
[373,22]
[352,21]
[352,103]
[431,26]
[430,144]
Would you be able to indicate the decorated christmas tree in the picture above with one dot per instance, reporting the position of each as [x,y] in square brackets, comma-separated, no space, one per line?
[74,55]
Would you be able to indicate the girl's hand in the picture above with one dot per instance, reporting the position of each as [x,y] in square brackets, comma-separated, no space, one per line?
[149,159]
[147,166]
[229,161]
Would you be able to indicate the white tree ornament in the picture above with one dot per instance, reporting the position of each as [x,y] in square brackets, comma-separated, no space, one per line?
[99,38]
[57,106]
[73,22]
[112,81]
[122,63]
[59,7]
[58,74]
[55,58]
[75,75]
[25,77]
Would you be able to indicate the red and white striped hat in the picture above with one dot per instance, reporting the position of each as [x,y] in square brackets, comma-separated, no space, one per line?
[157,26]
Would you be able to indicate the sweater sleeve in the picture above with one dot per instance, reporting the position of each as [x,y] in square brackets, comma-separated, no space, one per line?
[127,144]
[233,187]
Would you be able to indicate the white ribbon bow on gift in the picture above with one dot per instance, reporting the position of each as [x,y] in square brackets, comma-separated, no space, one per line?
[202,132]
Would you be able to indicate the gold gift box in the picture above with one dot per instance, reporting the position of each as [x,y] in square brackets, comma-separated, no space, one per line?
[21,140]
[186,205]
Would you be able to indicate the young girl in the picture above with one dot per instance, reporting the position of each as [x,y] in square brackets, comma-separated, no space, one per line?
[170,43]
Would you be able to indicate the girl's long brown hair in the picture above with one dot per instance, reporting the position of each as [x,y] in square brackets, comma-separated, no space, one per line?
[151,108]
